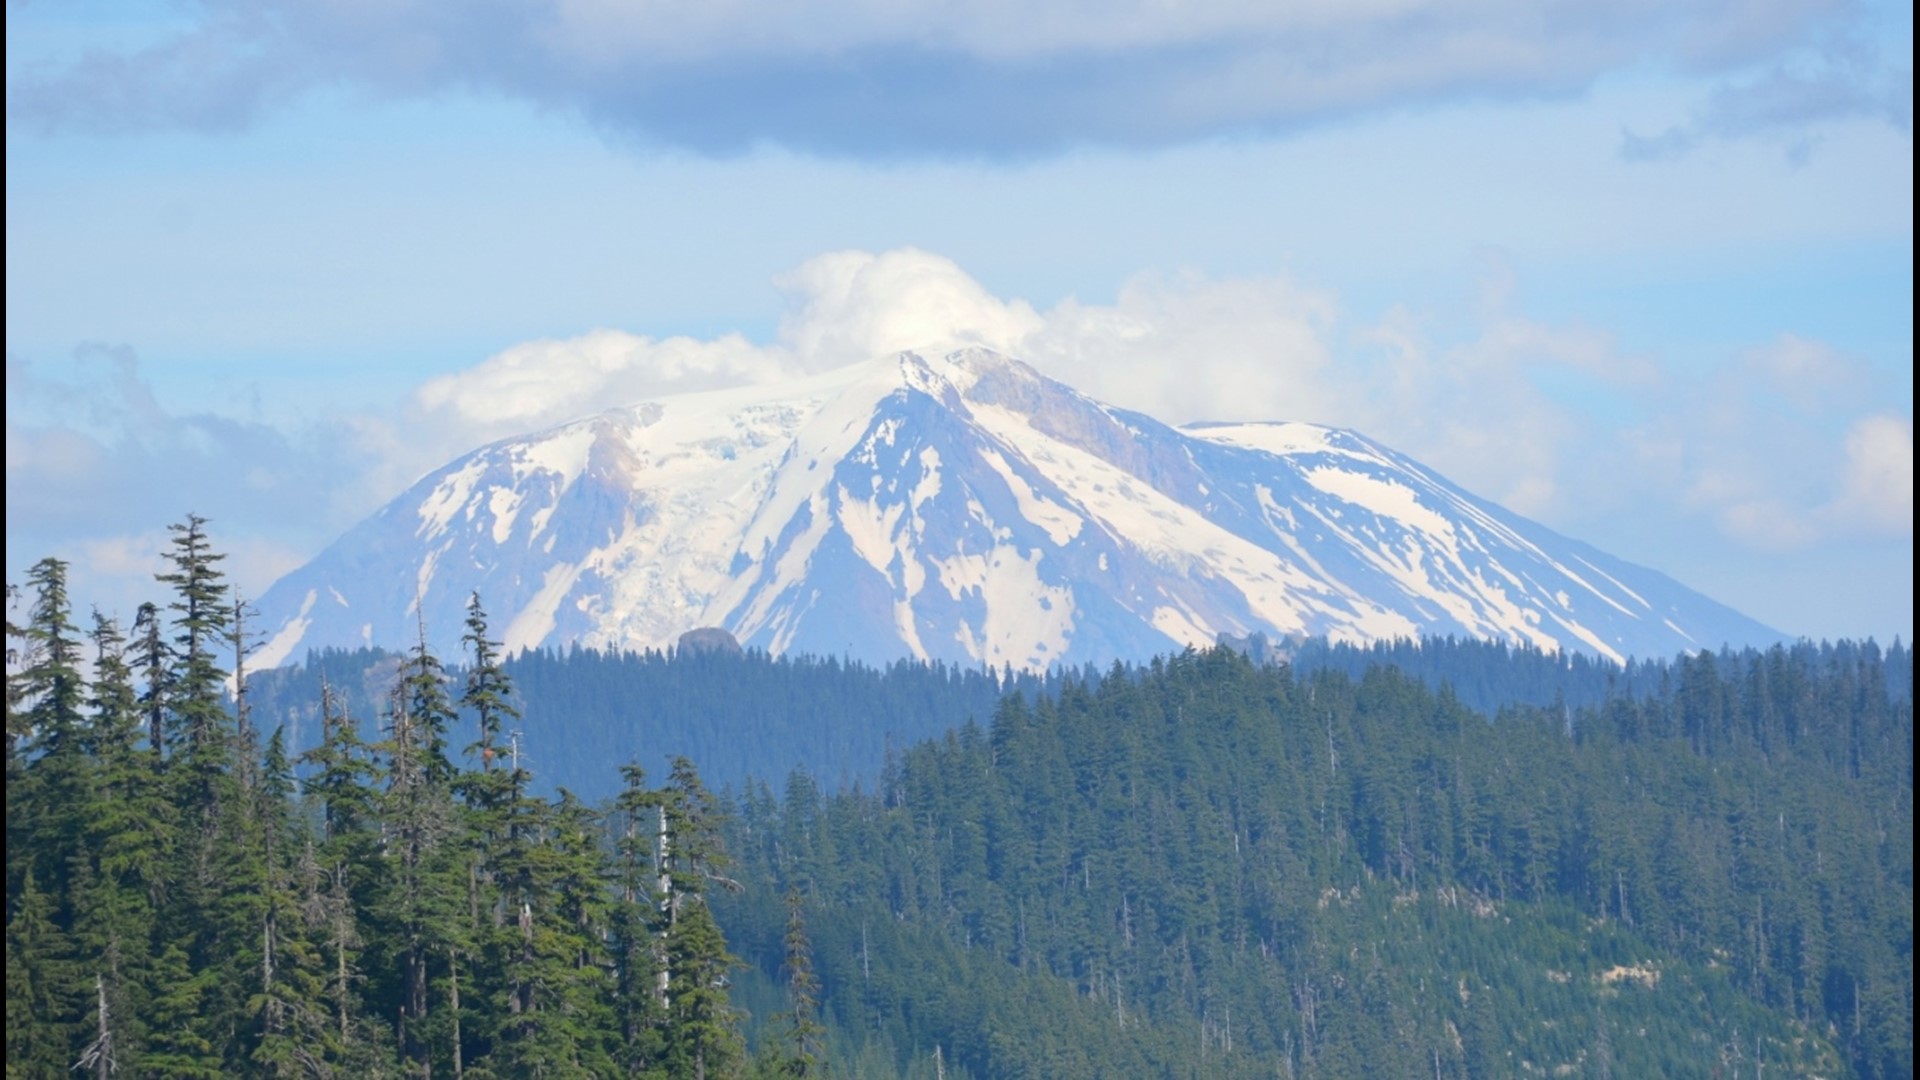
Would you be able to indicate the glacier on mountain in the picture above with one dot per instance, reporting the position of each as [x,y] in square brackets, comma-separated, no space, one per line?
[961,508]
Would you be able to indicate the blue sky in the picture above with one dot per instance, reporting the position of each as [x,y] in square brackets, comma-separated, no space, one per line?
[1641,271]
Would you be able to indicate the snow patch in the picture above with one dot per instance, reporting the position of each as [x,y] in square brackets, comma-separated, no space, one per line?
[447,498]
[281,644]
[1637,598]
[1386,498]
[565,452]
[1181,627]
[1027,622]
[1060,523]
[535,621]
[870,528]
[504,503]
[1277,437]
[929,484]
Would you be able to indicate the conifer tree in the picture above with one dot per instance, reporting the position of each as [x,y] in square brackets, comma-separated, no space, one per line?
[202,621]
[338,868]
[488,694]
[429,712]
[340,779]
[214,905]
[42,1013]
[550,957]
[634,938]
[51,680]
[703,1036]
[49,800]
[418,903]
[804,1051]
[16,684]
[289,1022]
[153,665]
[490,792]
[128,836]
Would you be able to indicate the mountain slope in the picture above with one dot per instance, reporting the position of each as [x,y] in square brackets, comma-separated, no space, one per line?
[964,509]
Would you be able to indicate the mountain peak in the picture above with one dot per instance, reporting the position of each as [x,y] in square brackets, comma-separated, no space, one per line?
[962,507]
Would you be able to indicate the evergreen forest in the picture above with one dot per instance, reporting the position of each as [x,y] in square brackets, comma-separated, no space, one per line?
[1447,859]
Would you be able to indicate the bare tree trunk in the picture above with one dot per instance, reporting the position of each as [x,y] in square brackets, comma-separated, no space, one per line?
[417,1006]
[266,972]
[338,917]
[665,848]
[97,1058]
[453,1002]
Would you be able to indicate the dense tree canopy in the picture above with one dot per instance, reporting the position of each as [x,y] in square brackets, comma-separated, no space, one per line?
[1209,868]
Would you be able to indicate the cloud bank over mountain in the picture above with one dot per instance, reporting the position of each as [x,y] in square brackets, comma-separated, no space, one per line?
[1186,348]
[1785,447]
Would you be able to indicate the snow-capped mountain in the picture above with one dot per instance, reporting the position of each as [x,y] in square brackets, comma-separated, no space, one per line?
[966,509]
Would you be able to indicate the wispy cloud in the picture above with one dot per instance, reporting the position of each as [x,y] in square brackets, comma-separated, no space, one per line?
[92,453]
[871,78]
[1787,104]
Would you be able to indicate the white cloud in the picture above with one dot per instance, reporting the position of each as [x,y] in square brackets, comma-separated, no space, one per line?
[848,306]
[1185,347]
[544,382]
[1876,489]
[1768,524]
[1808,375]
[1777,448]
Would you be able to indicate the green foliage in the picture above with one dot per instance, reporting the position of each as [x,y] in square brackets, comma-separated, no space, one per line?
[1212,867]
[738,716]
[1199,868]
[187,906]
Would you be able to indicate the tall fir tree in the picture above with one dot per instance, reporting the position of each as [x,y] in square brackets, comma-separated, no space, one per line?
[801,1050]
[129,836]
[635,939]
[703,1029]
[422,876]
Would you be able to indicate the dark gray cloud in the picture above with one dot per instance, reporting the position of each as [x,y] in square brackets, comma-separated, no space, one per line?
[1785,104]
[862,78]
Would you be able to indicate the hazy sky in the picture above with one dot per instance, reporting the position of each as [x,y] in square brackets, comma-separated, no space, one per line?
[1640,270]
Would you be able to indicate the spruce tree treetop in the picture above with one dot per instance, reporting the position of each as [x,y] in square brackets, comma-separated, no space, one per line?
[52,680]
[202,617]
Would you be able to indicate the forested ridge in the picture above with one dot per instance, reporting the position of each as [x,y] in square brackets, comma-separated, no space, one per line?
[737,715]
[1238,870]
[754,715]
[1199,867]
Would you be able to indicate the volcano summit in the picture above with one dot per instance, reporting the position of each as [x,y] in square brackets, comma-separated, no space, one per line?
[962,508]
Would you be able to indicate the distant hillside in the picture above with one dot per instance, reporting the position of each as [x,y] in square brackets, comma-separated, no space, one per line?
[1209,869]
[752,715]
[585,711]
